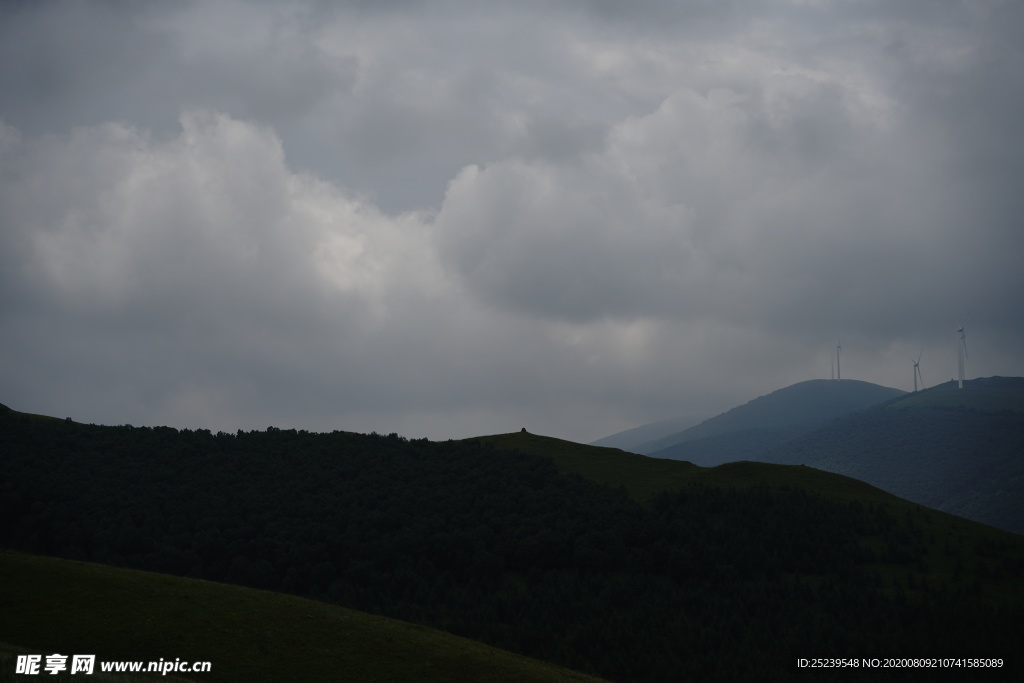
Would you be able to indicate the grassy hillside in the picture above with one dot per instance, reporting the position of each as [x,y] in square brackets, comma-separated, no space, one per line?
[987,394]
[661,571]
[960,460]
[641,476]
[948,545]
[645,477]
[52,605]
[29,416]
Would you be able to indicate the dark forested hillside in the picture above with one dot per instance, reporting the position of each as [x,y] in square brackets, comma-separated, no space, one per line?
[712,583]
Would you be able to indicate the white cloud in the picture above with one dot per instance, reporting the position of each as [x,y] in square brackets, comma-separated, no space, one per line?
[212,240]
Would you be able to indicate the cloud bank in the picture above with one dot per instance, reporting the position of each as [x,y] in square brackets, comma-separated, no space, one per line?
[447,219]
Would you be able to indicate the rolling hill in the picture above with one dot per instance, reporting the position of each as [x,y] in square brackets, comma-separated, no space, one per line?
[616,564]
[956,450]
[960,451]
[52,605]
[632,439]
[749,431]
[985,394]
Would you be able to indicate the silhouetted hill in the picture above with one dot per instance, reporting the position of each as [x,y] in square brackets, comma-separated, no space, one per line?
[624,566]
[956,450]
[961,451]
[749,431]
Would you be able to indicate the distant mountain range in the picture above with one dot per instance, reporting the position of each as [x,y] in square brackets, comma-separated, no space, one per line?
[632,439]
[957,450]
[766,421]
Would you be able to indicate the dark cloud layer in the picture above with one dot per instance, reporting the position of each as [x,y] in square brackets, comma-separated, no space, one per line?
[444,218]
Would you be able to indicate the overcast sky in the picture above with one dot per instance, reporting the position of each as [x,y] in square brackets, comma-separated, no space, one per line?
[454,218]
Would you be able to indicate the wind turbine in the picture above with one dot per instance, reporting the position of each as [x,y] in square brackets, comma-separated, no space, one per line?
[917,371]
[961,349]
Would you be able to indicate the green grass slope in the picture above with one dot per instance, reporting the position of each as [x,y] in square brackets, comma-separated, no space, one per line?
[986,394]
[642,477]
[49,605]
[949,548]
[30,416]
[645,477]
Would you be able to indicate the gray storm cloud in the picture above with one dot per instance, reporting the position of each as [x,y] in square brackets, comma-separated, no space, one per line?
[446,219]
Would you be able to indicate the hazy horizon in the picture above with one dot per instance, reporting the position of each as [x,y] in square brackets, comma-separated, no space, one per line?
[446,219]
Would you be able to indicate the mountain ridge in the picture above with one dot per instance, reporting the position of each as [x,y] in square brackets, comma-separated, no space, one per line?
[815,400]
[629,438]
[956,450]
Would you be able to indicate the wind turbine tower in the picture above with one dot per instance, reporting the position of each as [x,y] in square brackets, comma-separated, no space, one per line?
[917,371]
[961,348]
[839,372]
